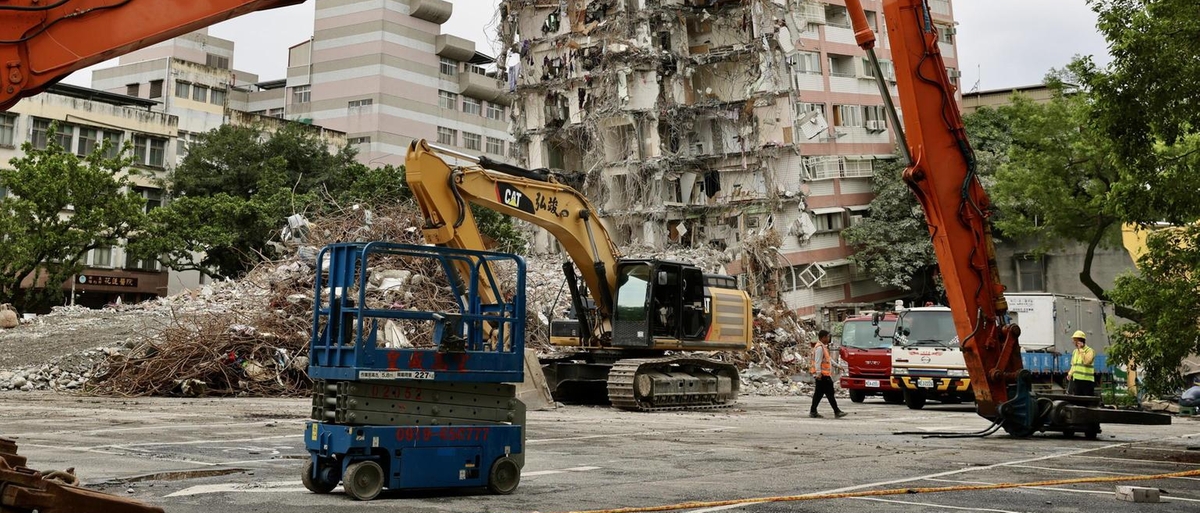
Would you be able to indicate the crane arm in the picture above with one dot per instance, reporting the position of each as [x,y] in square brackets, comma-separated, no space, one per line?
[443,193]
[942,174]
[43,41]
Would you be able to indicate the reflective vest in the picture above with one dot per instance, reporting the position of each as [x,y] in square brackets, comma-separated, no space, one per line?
[1083,371]
[826,366]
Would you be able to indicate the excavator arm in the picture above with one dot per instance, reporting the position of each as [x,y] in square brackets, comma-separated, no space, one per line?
[444,192]
[941,172]
[43,41]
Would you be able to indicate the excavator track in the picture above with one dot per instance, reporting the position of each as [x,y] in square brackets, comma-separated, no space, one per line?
[672,383]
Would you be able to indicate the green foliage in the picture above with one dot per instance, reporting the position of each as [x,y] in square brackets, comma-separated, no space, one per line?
[1166,291]
[235,188]
[60,207]
[1145,104]
[892,244]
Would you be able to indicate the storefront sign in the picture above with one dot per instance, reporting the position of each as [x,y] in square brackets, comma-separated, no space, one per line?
[109,281]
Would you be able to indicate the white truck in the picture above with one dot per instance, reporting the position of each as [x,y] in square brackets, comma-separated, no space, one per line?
[927,362]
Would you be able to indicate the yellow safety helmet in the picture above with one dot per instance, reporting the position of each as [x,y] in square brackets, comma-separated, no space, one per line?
[1079,334]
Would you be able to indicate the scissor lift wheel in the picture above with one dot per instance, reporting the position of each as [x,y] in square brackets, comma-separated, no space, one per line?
[504,477]
[325,481]
[363,480]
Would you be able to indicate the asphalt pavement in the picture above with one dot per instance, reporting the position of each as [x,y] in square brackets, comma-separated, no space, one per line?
[227,455]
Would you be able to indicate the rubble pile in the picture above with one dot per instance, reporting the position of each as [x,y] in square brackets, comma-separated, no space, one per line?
[70,372]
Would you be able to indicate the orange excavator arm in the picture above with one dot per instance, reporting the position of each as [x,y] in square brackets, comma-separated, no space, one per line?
[941,172]
[43,41]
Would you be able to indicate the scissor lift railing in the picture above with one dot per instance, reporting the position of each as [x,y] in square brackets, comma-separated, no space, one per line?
[483,343]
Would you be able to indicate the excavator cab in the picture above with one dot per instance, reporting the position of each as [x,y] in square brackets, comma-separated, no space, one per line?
[658,299]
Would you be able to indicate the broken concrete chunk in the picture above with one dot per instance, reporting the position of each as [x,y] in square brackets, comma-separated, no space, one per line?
[1137,494]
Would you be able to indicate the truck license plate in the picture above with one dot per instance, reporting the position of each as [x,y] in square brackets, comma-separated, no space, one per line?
[925,383]
[872,383]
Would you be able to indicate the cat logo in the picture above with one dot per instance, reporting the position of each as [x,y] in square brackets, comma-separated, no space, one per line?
[513,197]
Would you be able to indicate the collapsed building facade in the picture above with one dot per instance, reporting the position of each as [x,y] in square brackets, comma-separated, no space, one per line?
[750,126]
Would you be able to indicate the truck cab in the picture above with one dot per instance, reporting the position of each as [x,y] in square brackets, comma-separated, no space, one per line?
[866,348]
[927,361]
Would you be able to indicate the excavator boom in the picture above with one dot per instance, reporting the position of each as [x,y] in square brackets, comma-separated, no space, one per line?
[942,174]
[43,41]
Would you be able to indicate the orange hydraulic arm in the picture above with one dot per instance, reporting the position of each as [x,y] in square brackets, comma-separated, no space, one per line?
[941,172]
[42,41]
[443,192]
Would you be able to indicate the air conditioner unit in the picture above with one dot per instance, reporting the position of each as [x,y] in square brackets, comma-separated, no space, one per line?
[953,73]
[855,220]
[876,125]
[949,31]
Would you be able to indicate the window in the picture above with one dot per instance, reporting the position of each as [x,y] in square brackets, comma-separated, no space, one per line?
[181,146]
[158,152]
[447,136]
[8,130]
[804,108]
[183,89]
[217,61]
[837,16]
[217,97]
[806,62]
[1031,273]
[360,103]
[88,139]
[868,69]
[495,111]
[830,222]
[359,140]
[154,198]
[448,67]
[102,256]
[199,93]
[841,66]
[875,117]
[953,74]
[447,99]
[889,69]
[471,141]
[132,89]
[495,146]
[141,146]
[63,136]
[156,88]
[39,136]
[472,106]
[275,113]
[114,144]
[847,115]
[301,94]
[945,33]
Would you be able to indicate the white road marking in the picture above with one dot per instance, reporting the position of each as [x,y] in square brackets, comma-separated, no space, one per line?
[297,486]
[718,508]
[625,435]
[1160,462]
[296,436]
[1071,490]
[930,505]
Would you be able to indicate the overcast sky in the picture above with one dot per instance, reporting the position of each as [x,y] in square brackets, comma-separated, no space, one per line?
[1001,43]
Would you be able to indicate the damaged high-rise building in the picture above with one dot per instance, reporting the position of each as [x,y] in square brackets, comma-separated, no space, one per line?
[752,126]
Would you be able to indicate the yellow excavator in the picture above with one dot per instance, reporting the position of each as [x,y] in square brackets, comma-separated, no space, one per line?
[628,312]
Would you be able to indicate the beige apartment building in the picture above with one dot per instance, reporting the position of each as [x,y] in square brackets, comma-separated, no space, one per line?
[752,126]
[86,118]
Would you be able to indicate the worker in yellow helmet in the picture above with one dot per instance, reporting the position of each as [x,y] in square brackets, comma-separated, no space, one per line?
[1082,377]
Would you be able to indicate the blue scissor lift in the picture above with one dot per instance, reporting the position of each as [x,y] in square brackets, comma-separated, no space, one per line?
[443,416]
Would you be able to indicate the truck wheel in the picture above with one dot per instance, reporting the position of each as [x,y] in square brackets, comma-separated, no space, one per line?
[857,396]
[363,480]
[914,399]
[893,397]
[504,476]
[319,484]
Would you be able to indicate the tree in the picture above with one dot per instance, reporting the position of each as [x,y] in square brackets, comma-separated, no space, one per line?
[60,207]
[1055,184]
[1165,290]
[233,191]
[893,243]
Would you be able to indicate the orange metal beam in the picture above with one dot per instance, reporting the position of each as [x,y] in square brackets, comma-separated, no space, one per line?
[43,41]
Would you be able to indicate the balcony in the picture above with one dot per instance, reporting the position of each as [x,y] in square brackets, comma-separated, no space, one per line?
[433,11]
[454,47]
[482,87]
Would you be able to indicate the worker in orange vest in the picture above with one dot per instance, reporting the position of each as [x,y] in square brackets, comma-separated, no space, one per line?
[822,373]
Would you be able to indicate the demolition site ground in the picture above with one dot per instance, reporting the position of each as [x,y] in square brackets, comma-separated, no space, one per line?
[218,455]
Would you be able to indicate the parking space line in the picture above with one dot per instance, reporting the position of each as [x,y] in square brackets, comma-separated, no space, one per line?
[1071,490]
[931,505]
[1141,461]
